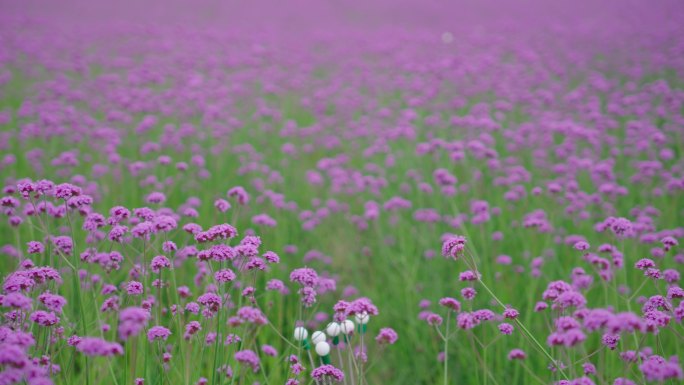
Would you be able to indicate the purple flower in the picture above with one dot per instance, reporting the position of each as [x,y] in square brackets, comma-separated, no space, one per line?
[271,257]
[156,197]
[16,300]
[511,313]
[191,329]
[264,220]
[610,340]
[255,263]
[132,320]
[516,354]
[505,328]
[361,306]
[160,262]
[657,368]
[63,244]
[35,247]
[387,336]
[13,356]
[92,346]
[623,381]
[211,301]
[467,321]
[158,333]
[225,275]
[249,358]
[434,319]
[450,303]
[117,233]
[143,230]
[44,318]
[134,288]
[51,301]
[308,296]
[218,232]
[169,247]
[644,264]
[252,315]
[222,205]
[276,285]
[304,276]
[484,314]
[468,293]
[327,371]
[269,350]
[66,191]
[468,276]
[240,194]
[569,299]
[453,246]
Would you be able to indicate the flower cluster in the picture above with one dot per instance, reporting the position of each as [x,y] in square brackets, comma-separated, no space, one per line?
[184,186]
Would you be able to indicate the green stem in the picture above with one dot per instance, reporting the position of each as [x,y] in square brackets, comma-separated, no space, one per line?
[446,350]
[527,332]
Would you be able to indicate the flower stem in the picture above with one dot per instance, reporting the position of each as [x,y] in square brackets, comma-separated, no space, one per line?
[527,332]
[446,350]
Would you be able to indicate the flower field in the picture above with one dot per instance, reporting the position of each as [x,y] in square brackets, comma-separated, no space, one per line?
[360,193]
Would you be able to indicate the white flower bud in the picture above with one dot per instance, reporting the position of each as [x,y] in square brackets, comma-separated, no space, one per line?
[300,333]
[333,329]
[362,318]
[347,326]
[317,337]
[322,348]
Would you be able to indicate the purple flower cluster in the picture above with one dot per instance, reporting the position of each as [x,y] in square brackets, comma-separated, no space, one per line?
[330,372]
[357,142]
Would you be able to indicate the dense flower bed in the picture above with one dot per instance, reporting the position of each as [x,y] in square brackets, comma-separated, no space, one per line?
[499,196]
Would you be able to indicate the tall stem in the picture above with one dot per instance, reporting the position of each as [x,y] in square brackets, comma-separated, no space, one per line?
[339,355]
[363,356]
[311,361]
[517,321]
[446,350]
[349,357]
[216,346]
[527,332]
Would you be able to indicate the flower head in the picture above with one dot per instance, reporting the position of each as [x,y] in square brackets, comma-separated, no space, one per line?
[387,336]
[158,333]
[327,371]
[453,246]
